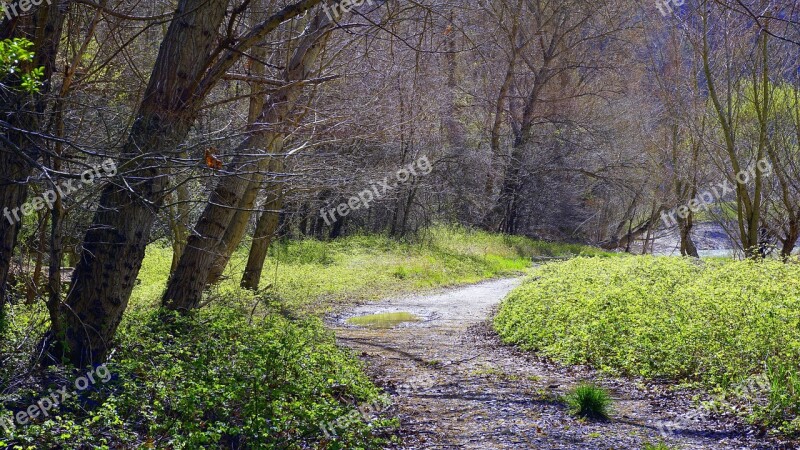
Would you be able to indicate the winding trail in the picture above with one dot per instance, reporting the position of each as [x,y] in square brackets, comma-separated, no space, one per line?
[455,386]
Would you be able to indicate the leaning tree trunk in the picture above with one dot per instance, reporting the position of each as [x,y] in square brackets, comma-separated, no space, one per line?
[22,111]
[188,66]
[185,287]
[236,231]
[113,248]
[266,228]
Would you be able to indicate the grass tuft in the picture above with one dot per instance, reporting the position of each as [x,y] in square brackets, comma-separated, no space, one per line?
[589,401]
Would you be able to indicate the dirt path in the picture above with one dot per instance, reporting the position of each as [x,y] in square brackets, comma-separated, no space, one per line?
[456,387]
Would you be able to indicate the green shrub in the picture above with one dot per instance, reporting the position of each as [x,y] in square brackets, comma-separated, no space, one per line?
[590,401]
[718,323]
[216,380]
[13,54]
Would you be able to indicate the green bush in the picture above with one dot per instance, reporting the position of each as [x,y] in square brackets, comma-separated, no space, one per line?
[213,381]
[717,323]
[13,54]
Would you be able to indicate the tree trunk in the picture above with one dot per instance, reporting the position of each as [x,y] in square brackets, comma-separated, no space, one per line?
[688,248]
[266,229]
[412,193]
[236,231]
[178,215]
[790,240]
[185,287]
[114,245]
[499,112]
[505,208]
[24,111]
[54,277]
[337,230]
[454,131]
[54,282]
[748,209]
[32,288]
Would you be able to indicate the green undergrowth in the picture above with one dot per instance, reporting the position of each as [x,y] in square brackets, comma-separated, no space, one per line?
[248,370]
[314,276]
[732,327]
[219,379]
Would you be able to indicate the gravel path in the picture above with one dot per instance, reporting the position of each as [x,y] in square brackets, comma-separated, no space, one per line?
[455,386]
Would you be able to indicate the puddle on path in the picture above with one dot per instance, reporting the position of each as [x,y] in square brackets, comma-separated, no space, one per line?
[384,321]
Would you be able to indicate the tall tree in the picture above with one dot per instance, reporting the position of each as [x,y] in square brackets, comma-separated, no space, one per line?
[727,106]
[192,58]
[186,285]
[22,116]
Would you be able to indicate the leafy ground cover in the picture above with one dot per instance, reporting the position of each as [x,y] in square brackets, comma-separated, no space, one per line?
[250,370]
[732,327]
[219,379]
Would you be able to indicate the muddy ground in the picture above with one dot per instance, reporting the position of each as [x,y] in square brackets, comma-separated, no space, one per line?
[455,386]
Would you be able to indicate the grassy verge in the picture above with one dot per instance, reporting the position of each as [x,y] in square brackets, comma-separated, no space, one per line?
[313,276]
[240,376]
[732,327]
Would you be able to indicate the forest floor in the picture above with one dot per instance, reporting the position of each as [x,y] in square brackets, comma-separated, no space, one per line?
[456,386]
